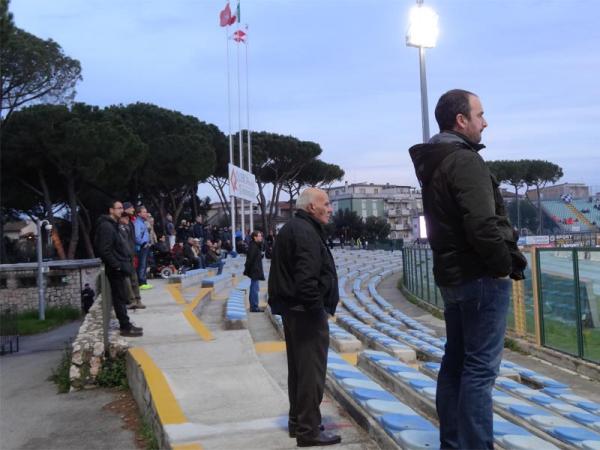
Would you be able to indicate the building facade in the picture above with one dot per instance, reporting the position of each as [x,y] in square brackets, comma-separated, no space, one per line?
[397,204]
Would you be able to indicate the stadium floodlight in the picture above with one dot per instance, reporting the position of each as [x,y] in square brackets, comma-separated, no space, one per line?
[422,33]
[423,28]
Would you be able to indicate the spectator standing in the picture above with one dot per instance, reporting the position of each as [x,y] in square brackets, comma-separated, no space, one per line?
[198,229]
[253,268]
[303,290]
[474,253]
[115,255]
[170,230]
[142,245]
[131,281]
[183,231]
[87,298]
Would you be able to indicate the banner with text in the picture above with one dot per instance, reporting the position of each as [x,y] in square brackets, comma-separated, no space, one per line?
[242,184]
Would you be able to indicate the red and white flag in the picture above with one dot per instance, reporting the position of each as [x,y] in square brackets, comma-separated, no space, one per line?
[225,17]
[239,36]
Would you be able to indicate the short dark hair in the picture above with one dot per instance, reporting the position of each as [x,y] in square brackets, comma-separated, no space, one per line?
[110,203]
[138,209]
[255,233]
[451,104]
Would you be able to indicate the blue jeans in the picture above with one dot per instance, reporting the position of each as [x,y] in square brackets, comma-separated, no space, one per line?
[217,265]
[142,255]
[475,315]
[254,287]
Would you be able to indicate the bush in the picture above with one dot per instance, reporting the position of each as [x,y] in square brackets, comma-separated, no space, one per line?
[113,373]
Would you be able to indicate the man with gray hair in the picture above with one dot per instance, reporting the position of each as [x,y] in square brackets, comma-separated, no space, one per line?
[303,289]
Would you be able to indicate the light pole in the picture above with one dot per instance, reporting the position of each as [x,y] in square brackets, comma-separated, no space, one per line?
[40,267]
[423,33]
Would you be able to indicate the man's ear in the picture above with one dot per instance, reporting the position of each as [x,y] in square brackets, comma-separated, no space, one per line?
[461,122]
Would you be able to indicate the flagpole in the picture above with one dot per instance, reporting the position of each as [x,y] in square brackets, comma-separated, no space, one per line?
[240,135]
[231,205]
[248,131]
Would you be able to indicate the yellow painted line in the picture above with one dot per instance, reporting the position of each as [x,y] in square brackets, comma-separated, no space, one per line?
[192,446]
[199,296]
[352,358]
[175,292]
[198,326]
[270,347]
[167,407]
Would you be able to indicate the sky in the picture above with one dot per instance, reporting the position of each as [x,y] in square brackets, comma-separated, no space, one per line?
[338,72]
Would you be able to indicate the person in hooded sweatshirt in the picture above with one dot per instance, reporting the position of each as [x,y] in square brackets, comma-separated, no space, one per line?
[114,252]
[475,255]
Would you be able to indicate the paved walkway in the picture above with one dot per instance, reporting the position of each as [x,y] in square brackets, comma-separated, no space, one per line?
[217,388]
[32,414]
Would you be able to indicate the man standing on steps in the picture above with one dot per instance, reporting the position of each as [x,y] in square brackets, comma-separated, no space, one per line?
[303,289]
[474,257]
[142,245]
[253,268]
[112,249]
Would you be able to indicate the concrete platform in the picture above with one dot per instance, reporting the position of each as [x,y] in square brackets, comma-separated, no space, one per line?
[203,386]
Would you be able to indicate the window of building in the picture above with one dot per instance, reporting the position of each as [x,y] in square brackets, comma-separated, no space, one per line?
[362,190]
[27,282]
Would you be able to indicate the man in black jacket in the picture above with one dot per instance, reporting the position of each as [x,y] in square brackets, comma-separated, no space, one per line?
[303,289]
[253,268]
[115,254]
[474,256]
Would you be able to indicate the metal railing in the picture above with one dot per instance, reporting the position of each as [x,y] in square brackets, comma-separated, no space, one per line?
[9,330]
[557,305]
[106,307]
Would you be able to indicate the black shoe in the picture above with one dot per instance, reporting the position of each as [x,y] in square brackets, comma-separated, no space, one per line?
[133,327]
[257,310]
[292,430]
[322,439]
[132,332]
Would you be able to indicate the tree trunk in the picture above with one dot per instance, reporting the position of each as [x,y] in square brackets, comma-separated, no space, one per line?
[518,208]
[87,241]
[56,240]
[263,206]
[539,205]
[74,218]
[86,229]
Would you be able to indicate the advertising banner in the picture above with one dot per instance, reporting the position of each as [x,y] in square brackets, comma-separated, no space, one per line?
[242,184]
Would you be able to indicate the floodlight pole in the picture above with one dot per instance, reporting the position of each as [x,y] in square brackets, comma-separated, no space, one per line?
[40,269]
[424,108]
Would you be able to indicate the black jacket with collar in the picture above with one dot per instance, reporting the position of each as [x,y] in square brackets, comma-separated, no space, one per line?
[467,225]
[302,275]
[253,267]
[112,247]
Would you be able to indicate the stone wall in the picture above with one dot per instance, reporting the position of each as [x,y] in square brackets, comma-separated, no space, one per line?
[64,282]
[87,353]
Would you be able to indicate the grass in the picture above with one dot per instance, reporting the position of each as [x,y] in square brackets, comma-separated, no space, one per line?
[60,375]
[29,323]
[147,434]
[113,373]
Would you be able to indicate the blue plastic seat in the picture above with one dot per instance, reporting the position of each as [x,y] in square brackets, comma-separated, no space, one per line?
[502,428]
[362,394]
[421,384]
[527,410]
[340,374]
[401,422]
[574,435]
[583,417]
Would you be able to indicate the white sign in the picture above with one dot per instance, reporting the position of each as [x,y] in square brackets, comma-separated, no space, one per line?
[537,240]
[242,184]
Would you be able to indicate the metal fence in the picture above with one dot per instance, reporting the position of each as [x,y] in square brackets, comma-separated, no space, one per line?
[9,330]
[557,305]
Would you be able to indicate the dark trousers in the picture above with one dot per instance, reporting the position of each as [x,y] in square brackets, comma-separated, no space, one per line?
[475,314]
[120,297]
[306,341]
